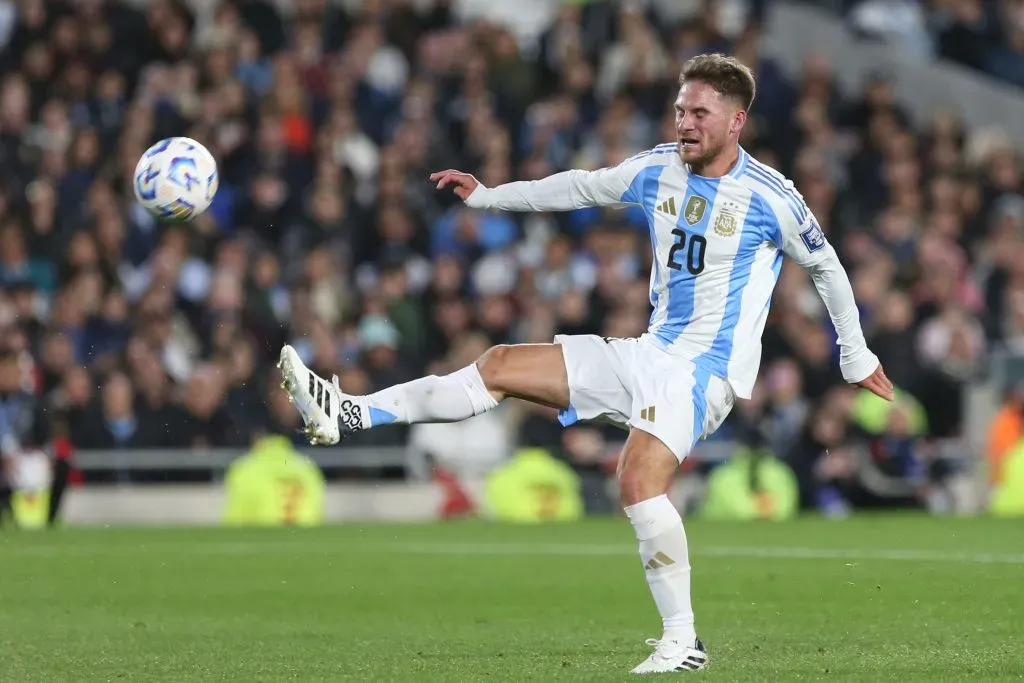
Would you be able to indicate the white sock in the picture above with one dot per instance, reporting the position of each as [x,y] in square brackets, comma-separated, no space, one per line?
[450,398]
[663,551]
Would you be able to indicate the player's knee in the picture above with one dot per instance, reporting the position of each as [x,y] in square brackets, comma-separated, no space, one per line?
[493,368]
[645,474]
[637,484]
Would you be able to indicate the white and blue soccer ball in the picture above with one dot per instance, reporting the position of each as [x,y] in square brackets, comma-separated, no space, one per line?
[176,179]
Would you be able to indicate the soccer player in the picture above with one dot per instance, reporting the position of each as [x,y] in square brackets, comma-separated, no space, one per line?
[720,223]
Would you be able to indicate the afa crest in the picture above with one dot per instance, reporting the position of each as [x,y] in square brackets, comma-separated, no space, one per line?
[725,224]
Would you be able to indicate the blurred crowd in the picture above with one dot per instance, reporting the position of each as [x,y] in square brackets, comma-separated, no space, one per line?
[327,235]
[984,35]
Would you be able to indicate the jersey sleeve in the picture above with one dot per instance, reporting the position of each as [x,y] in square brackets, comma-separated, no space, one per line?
[575,189]
[796,232]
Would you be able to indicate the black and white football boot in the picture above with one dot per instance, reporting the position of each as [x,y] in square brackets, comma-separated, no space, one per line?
[672,656]
[328,414]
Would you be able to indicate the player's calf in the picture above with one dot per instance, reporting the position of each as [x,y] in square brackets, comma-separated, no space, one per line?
[533,372]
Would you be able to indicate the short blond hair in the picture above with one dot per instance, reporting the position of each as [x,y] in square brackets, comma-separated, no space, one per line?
[727,75]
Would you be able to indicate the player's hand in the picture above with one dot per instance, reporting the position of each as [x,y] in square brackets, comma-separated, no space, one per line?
[463,183]
[878,384]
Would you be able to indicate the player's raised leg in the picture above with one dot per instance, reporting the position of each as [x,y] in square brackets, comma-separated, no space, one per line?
[534,372]
[646,469]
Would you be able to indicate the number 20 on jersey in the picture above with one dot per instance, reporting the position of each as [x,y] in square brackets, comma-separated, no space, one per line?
[693,248]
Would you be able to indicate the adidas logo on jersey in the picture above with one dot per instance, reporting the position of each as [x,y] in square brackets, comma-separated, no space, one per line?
[647,414]
[668,206]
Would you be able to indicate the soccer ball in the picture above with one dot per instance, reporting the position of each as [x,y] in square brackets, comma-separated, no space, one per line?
[176,179]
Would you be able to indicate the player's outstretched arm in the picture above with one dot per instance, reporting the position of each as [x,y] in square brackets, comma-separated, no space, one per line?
[806,244]
[564,191]
[859,365]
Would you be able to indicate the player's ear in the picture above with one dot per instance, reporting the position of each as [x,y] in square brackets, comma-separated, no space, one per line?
[738,119]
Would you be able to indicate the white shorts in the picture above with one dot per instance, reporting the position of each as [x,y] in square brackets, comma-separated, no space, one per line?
[634,383]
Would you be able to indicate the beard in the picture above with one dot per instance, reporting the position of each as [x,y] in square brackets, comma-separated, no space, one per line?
[707,152]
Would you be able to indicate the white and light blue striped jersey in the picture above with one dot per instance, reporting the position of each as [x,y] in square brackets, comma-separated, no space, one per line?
[718,245]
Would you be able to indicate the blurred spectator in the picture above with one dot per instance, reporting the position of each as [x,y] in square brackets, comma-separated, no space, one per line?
[901,22]
[205,421]
[274,485]
[473,447]
[786,406]
[1005,432]
[986,36]
[23,428]
[754,484]
[1008,493]
[115,423]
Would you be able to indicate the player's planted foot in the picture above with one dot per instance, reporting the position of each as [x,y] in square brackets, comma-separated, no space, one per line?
[325,410]
[672,655]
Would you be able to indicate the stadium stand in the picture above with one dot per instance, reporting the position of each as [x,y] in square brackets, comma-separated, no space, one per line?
[121,334]
[984,36]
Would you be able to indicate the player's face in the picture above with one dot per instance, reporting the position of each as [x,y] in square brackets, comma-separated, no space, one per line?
[705,122]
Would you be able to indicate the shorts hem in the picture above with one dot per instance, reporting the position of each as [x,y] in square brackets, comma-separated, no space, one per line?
[661,438]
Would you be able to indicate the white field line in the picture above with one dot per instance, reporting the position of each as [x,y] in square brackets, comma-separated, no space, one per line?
[256,547]
[765,552]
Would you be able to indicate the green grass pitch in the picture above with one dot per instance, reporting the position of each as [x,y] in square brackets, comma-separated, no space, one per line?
[868,599]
